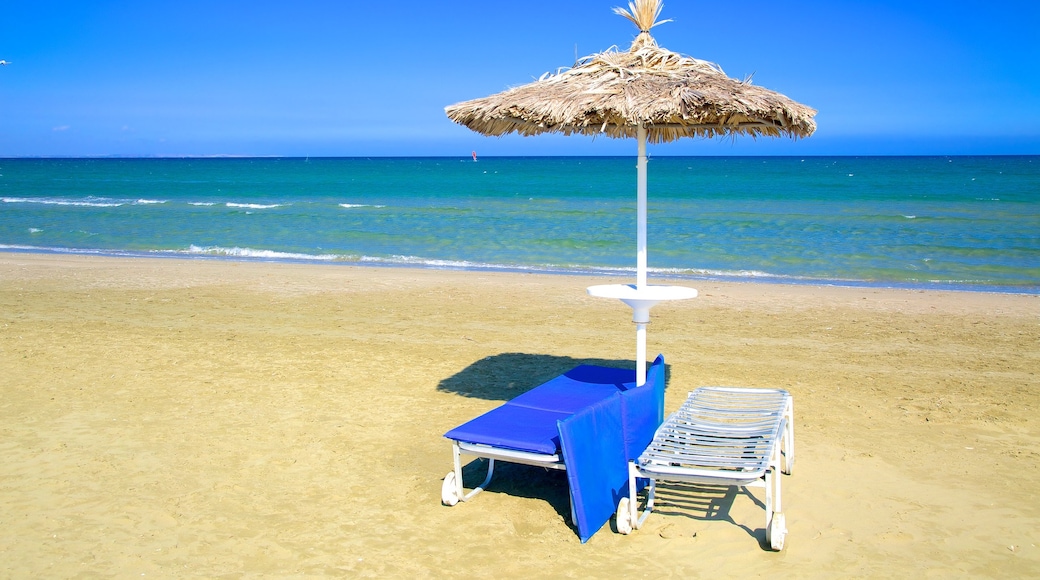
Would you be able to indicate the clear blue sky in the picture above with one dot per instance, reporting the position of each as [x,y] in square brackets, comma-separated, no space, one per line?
[352,78]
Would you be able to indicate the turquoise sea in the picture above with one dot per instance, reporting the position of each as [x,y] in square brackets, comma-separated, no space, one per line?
[967,223]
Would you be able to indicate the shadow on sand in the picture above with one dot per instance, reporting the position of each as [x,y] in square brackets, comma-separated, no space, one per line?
[707,503]
[504,376]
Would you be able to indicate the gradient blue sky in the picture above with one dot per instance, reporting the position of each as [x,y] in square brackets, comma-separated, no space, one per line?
[352,78]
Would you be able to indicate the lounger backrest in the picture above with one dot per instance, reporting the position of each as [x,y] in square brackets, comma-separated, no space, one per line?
[642,410]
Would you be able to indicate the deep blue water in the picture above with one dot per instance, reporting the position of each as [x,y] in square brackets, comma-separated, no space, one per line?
[933,222]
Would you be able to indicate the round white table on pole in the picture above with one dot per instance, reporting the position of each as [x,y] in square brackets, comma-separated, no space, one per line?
[641,299]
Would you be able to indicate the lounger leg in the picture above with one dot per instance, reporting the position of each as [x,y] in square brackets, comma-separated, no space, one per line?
[789,438]
[769,496]
[651,487]
[628,516]
[457,457]
[651,490]
[482,486]
[776,524]
[626,511]
[455,454]
[775,473]
[633,496]
[778,506]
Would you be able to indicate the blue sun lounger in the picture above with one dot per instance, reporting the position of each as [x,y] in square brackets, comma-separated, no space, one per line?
[589,421]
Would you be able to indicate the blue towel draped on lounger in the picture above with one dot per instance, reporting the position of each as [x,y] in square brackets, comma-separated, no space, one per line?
[599,440]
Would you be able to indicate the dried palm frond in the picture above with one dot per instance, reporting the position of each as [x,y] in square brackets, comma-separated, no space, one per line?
[613,93]
[643,13]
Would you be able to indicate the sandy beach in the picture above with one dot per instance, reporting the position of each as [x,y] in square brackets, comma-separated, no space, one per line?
[204,418]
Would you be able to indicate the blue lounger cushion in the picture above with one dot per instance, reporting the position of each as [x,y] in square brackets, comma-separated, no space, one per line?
[528,422]
[513,427]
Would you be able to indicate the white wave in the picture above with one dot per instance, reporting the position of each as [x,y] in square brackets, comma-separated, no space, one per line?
[202,203]
[678,273]
[63,250]
[150,201]
[35,230]
[253,205]
[353,205]
[21,248]
[237,252]
[428,262]
[707,273]
[910,217]
[89,202]
[450,264]
[419,262]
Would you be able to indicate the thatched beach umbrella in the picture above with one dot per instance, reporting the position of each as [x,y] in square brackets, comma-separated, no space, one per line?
[651,94]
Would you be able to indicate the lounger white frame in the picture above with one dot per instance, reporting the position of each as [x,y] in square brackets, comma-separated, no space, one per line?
[452,490]
[721,436]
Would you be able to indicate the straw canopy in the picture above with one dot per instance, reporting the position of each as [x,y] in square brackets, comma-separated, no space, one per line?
[613,93]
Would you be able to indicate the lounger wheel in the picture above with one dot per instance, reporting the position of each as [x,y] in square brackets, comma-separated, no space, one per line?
[624,517]
[776,532]
[449,490]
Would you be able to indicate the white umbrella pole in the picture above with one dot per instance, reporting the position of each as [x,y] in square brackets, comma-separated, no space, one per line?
[641,321]
[641,211]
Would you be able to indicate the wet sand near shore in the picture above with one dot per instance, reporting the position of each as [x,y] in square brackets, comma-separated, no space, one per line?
[224,419]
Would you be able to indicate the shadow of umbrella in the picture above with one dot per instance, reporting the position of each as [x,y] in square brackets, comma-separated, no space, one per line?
[504,376]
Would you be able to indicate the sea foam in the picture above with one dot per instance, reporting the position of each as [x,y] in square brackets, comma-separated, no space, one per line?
[253,205]
[237,252]
[88,202]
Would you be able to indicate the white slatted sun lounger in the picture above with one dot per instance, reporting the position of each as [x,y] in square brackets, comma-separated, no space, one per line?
[720,436]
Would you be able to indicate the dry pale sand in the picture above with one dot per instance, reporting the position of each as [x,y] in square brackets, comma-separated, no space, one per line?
[220,419]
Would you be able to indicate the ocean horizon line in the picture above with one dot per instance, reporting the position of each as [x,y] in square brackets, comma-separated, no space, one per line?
[232,156]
